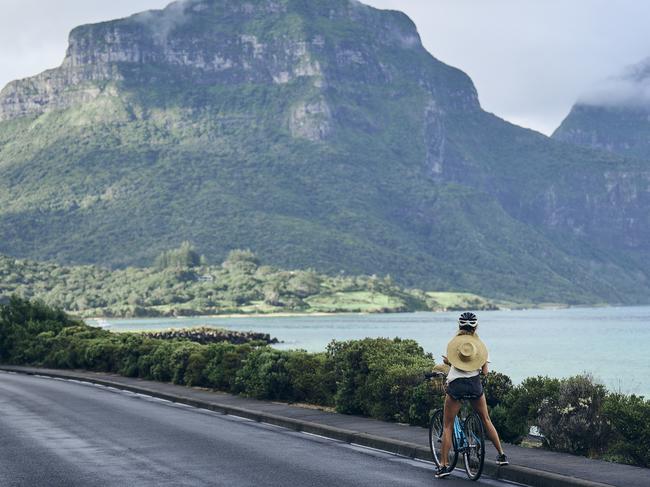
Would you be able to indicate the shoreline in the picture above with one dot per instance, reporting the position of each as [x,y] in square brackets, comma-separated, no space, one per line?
[289,314]
[281,314]
[299,314]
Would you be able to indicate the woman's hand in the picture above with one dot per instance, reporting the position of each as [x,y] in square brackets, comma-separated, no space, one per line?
[445,360]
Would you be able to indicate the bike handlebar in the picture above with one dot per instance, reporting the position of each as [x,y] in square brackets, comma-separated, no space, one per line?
[431,375]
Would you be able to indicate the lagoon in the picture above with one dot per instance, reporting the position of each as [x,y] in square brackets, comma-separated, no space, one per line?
[609,343]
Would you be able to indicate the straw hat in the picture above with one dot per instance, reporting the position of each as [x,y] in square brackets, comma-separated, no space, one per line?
[467,352]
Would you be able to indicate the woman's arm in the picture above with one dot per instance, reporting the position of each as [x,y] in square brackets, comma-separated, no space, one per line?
[484,369]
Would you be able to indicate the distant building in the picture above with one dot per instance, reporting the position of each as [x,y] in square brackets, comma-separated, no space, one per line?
[206,278]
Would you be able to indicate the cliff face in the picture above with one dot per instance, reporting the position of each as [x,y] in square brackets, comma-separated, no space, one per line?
[230,43]
[319,134]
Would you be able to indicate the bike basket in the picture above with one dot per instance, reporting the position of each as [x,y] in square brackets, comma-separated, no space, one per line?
[438,385]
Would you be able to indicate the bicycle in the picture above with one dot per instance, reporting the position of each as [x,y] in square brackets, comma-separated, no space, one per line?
[468,438]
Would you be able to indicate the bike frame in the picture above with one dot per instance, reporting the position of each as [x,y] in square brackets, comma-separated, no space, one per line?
[459,435]
[462,442]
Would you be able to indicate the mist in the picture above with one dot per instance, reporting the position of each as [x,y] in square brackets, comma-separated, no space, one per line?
[631,89]
[163,22]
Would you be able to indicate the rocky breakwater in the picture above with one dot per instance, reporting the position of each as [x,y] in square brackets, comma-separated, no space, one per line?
[205,335]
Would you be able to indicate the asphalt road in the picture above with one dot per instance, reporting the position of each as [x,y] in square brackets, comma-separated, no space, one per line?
[65,433]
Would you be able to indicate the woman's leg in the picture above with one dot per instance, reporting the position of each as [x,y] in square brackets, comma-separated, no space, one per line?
[451,410]
[480,406]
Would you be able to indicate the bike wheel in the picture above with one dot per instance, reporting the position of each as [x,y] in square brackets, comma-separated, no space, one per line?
[435,441]
[474,454]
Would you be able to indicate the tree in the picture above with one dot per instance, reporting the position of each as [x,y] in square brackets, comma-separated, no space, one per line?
[184,256]
[272,294]
[305,283]
[241,261]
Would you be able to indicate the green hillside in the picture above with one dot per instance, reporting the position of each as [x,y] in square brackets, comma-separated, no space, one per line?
[320,135]
[182,284]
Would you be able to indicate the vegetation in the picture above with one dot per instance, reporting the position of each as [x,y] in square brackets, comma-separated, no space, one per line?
[381,378]
[461,301]
[182,283]
[400,173]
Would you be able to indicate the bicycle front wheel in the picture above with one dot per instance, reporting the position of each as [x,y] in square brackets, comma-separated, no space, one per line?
[435,441]
[474,453]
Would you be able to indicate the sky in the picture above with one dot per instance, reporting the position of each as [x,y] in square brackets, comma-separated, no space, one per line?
[529,59]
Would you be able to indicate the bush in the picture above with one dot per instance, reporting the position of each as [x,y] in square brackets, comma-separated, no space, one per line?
[160,362]
[223,360]
[22,320]
[196,365]
[496,388]
[511,428]
[264,375]
[379,377]
[179,362]
[102,355]
[630,418]
[312,378]
[518,410]
[135,346]
[574,422]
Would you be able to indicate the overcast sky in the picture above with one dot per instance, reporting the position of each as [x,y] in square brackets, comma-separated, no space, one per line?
[529,59]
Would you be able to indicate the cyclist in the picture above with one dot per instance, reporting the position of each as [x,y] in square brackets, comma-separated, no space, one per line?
[467,357]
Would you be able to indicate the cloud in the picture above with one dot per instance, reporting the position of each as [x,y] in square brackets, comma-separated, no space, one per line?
[629,90]
[164,22]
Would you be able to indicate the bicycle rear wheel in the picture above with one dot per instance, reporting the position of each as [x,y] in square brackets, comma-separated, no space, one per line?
[435,441]
[474,453]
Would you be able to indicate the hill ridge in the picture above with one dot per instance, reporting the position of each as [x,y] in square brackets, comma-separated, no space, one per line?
[320,134]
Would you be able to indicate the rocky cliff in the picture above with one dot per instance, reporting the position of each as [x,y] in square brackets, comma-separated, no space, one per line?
[319,134]
[231,43]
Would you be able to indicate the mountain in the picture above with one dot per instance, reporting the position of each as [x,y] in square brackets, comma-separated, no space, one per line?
[318,134]
[614,115]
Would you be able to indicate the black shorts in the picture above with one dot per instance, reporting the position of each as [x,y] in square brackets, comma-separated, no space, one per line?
[465,388]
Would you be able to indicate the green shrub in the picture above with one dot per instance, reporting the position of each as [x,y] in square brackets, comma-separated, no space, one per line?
[196,364]
[223,360]
[312,377]
[630,418]
[423,399]
[511,428]
[264,375]
[134,347]
[574,422]
[180,359]
[22,320]
[160,362]
[518,410]
[378,377]
[496,388]
[100,355]
[38,348]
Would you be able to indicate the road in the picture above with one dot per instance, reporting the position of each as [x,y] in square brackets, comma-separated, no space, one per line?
[67,433]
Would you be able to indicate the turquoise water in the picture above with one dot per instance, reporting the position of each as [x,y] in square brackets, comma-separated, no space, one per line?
[609,343]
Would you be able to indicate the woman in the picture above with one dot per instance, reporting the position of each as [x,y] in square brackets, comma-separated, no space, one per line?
[468,357]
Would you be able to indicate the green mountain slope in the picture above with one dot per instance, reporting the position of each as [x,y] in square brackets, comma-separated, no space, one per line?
[181,284]
[319,134]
